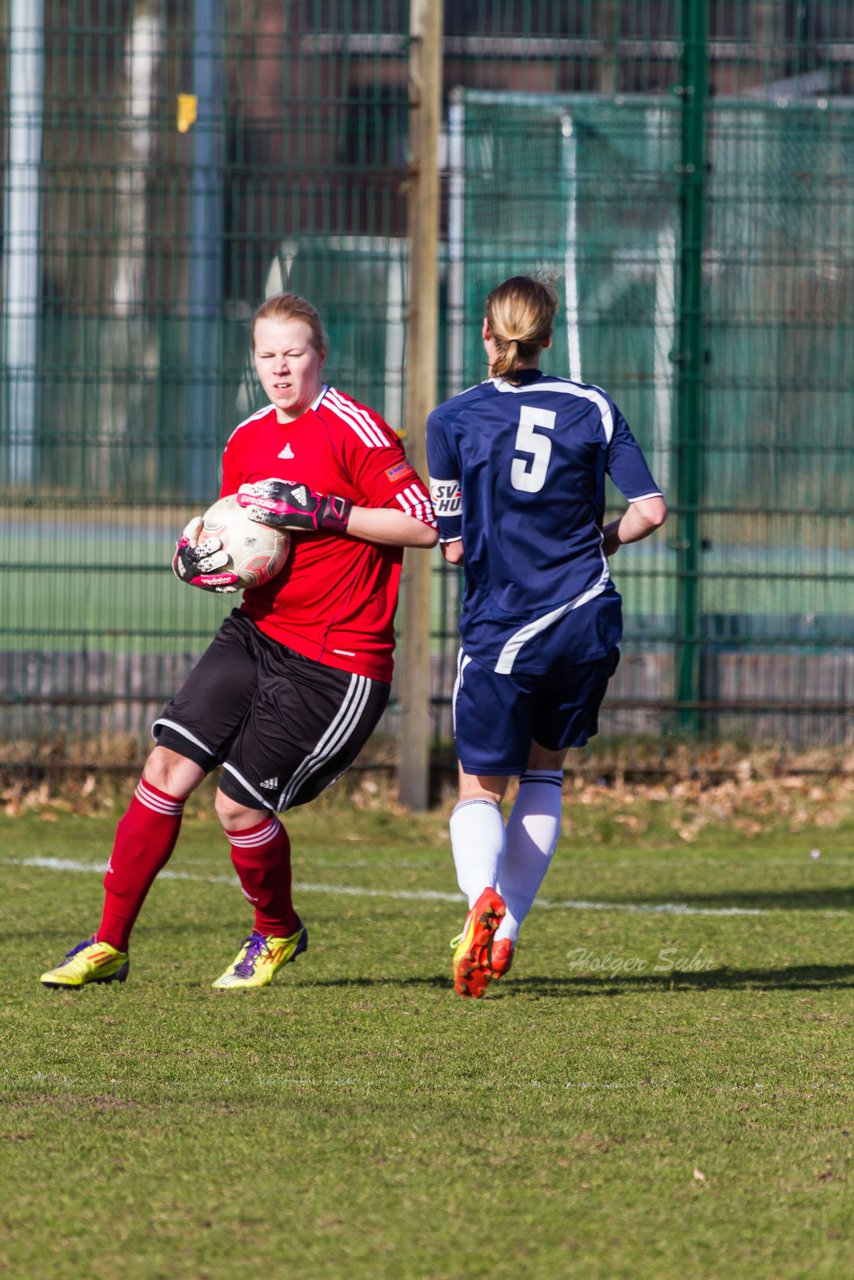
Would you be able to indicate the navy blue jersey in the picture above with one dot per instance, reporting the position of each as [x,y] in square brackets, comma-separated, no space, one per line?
[518,472]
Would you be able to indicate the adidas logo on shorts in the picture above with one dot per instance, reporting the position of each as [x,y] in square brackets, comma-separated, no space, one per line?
[270,785]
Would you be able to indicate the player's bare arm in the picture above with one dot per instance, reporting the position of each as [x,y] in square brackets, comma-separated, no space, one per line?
[453,551]
[390,528]
[288,505]
[638,521]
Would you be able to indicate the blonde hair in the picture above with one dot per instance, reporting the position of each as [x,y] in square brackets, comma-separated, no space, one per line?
[290,306]
[520,314]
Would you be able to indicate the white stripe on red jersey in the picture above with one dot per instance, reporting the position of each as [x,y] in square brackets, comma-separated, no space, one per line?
[357,418]
[415,503]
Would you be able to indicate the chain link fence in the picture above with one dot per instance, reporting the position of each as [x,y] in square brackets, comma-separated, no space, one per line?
[682,171]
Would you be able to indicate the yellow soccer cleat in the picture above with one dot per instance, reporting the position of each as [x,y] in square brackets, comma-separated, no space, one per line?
[89,961]
[473,947]
[259,959]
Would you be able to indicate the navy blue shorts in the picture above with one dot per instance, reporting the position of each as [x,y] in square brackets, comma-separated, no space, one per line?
[497,717]
[283,726]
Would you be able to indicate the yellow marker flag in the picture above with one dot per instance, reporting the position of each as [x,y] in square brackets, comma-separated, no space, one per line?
[188,111]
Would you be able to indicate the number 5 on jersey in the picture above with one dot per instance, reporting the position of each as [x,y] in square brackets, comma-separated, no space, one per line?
[529,473]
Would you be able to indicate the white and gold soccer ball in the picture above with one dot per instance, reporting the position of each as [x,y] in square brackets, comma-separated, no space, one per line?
[256,552]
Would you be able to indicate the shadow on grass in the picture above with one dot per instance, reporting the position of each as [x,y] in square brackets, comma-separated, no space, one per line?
[578,986]
[794,978]
[436,980]
[809,977]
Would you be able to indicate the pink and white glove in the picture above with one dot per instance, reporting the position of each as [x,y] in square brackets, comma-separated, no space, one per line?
[286,505]
[201,564]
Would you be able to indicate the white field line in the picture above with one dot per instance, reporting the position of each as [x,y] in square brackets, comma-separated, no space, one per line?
[427,895]
[18,1080]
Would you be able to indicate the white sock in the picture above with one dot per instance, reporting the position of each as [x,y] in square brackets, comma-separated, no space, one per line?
[532,834]
[477,843]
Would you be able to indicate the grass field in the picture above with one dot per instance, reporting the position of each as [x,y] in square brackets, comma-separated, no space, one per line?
[661,1088]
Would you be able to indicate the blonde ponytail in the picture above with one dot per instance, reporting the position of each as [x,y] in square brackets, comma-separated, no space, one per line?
[520,314]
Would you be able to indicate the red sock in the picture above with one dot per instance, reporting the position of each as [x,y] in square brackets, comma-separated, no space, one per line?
[262,860]
[145,838]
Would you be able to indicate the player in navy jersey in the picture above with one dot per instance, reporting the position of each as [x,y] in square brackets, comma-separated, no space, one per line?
[517,475]
[296,679]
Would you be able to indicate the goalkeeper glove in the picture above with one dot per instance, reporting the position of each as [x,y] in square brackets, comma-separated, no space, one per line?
[294,506]
[202,564]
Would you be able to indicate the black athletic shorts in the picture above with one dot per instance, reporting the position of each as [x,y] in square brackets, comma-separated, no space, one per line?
[283,726]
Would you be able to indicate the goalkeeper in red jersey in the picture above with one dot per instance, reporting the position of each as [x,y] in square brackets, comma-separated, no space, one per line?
[296,679]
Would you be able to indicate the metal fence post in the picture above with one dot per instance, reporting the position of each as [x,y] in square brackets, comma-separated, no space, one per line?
[22,241]
[205,249]
[425,106]
[690,355]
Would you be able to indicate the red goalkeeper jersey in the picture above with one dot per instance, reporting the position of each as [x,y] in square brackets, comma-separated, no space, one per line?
[335,599]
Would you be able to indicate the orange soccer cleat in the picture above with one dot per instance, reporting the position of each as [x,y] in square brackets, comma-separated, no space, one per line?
[502,957]
[472,965]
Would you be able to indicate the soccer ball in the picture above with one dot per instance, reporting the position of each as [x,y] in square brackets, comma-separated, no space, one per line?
[256,553]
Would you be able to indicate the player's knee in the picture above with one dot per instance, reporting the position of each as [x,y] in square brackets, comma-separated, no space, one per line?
[174,774]
[482,787]
[546,757]
[232,814]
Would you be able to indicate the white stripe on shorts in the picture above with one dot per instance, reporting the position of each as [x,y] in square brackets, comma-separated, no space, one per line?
[344,725]
[179,728]
[264,802]
[462,663]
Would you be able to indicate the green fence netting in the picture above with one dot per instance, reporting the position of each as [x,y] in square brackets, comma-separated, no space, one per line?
[587,193]
[166,165]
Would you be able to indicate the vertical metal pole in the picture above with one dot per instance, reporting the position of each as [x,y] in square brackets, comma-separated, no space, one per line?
[573,327]
[456,241]
[664,329]
[21,240]
[425,99]
[206,248]
[608,26]
[690,355]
